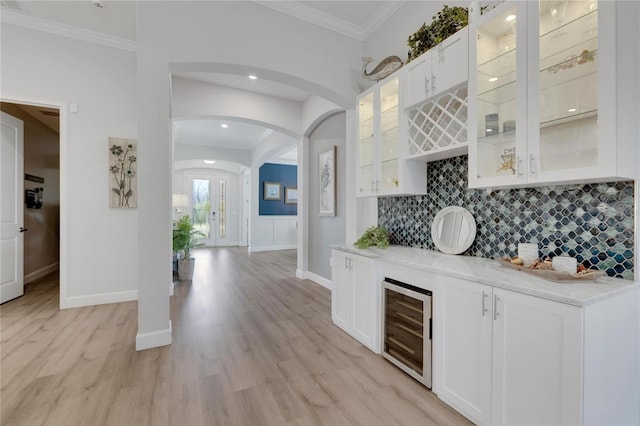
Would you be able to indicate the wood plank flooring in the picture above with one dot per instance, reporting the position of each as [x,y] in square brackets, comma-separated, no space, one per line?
[252,345]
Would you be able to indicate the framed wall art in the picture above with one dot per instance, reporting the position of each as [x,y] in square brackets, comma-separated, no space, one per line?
[271,191]
[327,179]
[123,180]
[291,195]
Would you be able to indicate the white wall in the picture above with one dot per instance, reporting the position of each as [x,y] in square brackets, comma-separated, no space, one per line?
[242,33]
[99,245]
[326,230]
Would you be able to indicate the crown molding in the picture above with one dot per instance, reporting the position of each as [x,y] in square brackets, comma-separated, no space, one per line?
[51,27]
[314,16]
[380,17]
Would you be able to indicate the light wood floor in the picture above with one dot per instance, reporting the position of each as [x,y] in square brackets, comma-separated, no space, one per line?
[252,345]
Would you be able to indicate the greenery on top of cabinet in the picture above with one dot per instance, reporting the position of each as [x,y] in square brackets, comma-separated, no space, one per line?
[446,23]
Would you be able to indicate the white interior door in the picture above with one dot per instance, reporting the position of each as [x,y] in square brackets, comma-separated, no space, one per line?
[208,195]
[11,208]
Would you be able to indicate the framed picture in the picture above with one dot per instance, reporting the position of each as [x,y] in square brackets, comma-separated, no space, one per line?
[327,179]
[271,191]
[291,195]
[123,182]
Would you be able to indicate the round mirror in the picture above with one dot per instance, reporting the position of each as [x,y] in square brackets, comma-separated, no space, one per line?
[453,230]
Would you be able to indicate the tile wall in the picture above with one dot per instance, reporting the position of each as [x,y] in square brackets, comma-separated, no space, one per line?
[592,222]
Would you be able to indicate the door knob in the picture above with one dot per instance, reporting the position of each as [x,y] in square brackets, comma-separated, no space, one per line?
[22,229]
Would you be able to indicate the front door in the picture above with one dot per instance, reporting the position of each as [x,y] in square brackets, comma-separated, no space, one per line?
[11,208]
[208,200]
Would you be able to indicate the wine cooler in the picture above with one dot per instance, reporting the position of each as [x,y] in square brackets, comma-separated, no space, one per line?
[407,329]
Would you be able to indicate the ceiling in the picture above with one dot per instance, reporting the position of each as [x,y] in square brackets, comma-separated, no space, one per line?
[208,132]
[117,18]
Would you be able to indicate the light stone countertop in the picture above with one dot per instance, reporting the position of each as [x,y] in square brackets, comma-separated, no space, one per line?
[489,272]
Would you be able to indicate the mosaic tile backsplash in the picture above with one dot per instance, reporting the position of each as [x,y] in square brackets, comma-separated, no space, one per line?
[593,222]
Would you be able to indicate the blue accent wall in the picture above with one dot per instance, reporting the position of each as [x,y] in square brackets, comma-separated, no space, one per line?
[287,176]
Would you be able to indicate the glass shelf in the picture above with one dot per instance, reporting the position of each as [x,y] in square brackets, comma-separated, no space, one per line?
[572,26]
[563,119]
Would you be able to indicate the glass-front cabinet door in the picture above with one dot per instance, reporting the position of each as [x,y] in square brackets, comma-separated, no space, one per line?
[553,97]
[497,100]
[389,114]
[564,89]
[378,139]
[366,149]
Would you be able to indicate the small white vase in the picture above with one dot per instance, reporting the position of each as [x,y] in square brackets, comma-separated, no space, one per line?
[185,269]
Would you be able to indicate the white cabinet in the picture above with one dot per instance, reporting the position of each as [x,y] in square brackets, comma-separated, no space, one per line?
[438,69]
[464,381]
[355,298]
[381,169]
[510,358]
[549,86]
[537,361]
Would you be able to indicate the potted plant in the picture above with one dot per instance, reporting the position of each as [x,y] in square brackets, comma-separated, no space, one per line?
[185,237]
[374,236]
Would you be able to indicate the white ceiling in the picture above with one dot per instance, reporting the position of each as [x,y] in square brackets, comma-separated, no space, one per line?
[242,82]
[118,19]
[209,132]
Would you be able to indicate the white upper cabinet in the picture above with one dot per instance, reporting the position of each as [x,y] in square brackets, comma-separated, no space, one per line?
[549,91]
[382,135]
[438,69]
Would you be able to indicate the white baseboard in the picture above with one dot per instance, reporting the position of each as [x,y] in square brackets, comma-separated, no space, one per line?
[300,274]
[98,299]
[254,249]
[40,273]
[318,279]
[153,339]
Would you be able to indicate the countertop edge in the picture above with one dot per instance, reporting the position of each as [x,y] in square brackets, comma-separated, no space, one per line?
[498,283]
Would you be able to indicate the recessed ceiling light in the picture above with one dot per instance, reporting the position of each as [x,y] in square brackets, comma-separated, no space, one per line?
[492,79]
[209,161]
[489,130]
[510,18]
[224,125]
[571,110]
[253,77]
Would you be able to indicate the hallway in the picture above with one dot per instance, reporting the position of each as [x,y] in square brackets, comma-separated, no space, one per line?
[252,345]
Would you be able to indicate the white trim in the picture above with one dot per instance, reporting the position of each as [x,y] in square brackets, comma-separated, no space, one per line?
[314,16]
[153,339]
[99,299]
[171,287]
[328,284]
[41,272]
[51,27]
[385,12]
[300,274]
[272,248]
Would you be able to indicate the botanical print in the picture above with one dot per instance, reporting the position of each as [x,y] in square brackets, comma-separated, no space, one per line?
[123,182]
[327,178]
